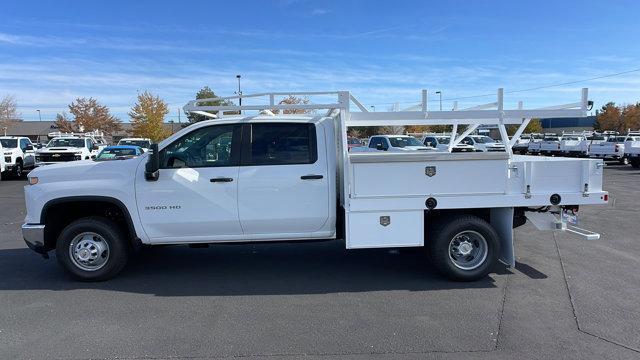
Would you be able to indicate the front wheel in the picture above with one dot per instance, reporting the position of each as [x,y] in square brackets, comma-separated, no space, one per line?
[92,249]
[635,162]
[624,160]
[464,248]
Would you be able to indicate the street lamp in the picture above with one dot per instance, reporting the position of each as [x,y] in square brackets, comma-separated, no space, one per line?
[239,91]
[440,93]
[39,115]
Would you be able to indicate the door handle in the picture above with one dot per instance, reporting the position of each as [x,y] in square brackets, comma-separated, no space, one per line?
[311,177]
[221,179]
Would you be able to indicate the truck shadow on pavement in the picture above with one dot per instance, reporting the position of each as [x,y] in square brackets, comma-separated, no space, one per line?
[235,270]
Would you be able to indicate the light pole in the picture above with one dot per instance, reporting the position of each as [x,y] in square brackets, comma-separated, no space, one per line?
[440,93]
[239,90]
[39,115]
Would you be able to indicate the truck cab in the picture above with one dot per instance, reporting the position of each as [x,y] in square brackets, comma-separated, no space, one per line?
[483,143]
[18,155]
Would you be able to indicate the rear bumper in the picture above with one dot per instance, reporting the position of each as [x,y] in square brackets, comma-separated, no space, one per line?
[33,235]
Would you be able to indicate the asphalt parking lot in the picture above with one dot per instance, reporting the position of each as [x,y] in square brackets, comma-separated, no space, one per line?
[566,298]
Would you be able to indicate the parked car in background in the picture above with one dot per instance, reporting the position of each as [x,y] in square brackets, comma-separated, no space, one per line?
[550,145]
[632,149]
[522,144]
[441,142]
[393,143]
[483,143]
[18,154]
[534,144]
[353,142]
[66,148]
[574,144]
[612,149]
[119,152]
[143,143]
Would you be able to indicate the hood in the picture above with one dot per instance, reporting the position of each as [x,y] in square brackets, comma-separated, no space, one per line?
[87,170]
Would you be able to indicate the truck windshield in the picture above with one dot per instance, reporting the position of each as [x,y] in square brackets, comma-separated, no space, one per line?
[404,141]
[66,143]
[9,143]
[141,143]
[443,140]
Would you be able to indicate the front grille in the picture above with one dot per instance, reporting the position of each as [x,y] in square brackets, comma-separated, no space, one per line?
[57,157]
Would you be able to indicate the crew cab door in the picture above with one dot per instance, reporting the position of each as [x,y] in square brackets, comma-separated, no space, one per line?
[283,187]
[195,198]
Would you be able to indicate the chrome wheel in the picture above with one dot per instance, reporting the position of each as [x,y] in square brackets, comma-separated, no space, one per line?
[89,251]
[468,250]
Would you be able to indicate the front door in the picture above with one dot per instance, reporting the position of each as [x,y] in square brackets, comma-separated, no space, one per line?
[283,188]
[195,197]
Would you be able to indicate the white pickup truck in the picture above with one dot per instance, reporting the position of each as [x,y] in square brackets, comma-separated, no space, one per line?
[550,145]
[18,155]
[287,177]
[483,143]
[65,147]
[441,142]
[632,148]
[143,143]
[613,148]
[574,144]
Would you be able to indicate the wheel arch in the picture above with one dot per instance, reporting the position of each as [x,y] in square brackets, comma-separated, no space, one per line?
[58,213]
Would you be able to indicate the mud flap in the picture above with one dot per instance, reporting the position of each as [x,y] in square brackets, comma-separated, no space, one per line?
[502,222]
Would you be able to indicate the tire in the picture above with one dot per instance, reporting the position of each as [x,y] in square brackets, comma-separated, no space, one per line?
[17,170]
[624,160]
[635,162]
[472,230]
[100,249]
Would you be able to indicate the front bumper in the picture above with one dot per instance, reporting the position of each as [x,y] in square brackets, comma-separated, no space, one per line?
[33,235]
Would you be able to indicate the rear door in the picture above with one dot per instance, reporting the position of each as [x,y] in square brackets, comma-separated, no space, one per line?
[283,189]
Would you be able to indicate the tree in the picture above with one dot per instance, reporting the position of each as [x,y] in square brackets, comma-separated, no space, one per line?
[63,123]
[534,127]
[147,117]
[293,100]
[89,115]
[631,117]
[207,93]
[609,118]
[8,112]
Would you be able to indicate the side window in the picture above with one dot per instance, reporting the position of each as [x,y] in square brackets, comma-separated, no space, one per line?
[89,144]
[374,142]
[211,146]
[23,144]
[279,144]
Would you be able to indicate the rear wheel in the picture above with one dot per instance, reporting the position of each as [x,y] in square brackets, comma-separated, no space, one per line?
[624,160]
[635,162]
[92,249]
[464,248]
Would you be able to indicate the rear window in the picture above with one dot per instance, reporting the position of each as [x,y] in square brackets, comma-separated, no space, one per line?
[280,144]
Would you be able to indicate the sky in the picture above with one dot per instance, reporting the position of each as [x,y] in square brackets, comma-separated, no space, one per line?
[384,52]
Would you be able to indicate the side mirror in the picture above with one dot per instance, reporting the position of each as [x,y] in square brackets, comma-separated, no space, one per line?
[151,172]
[28,147]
